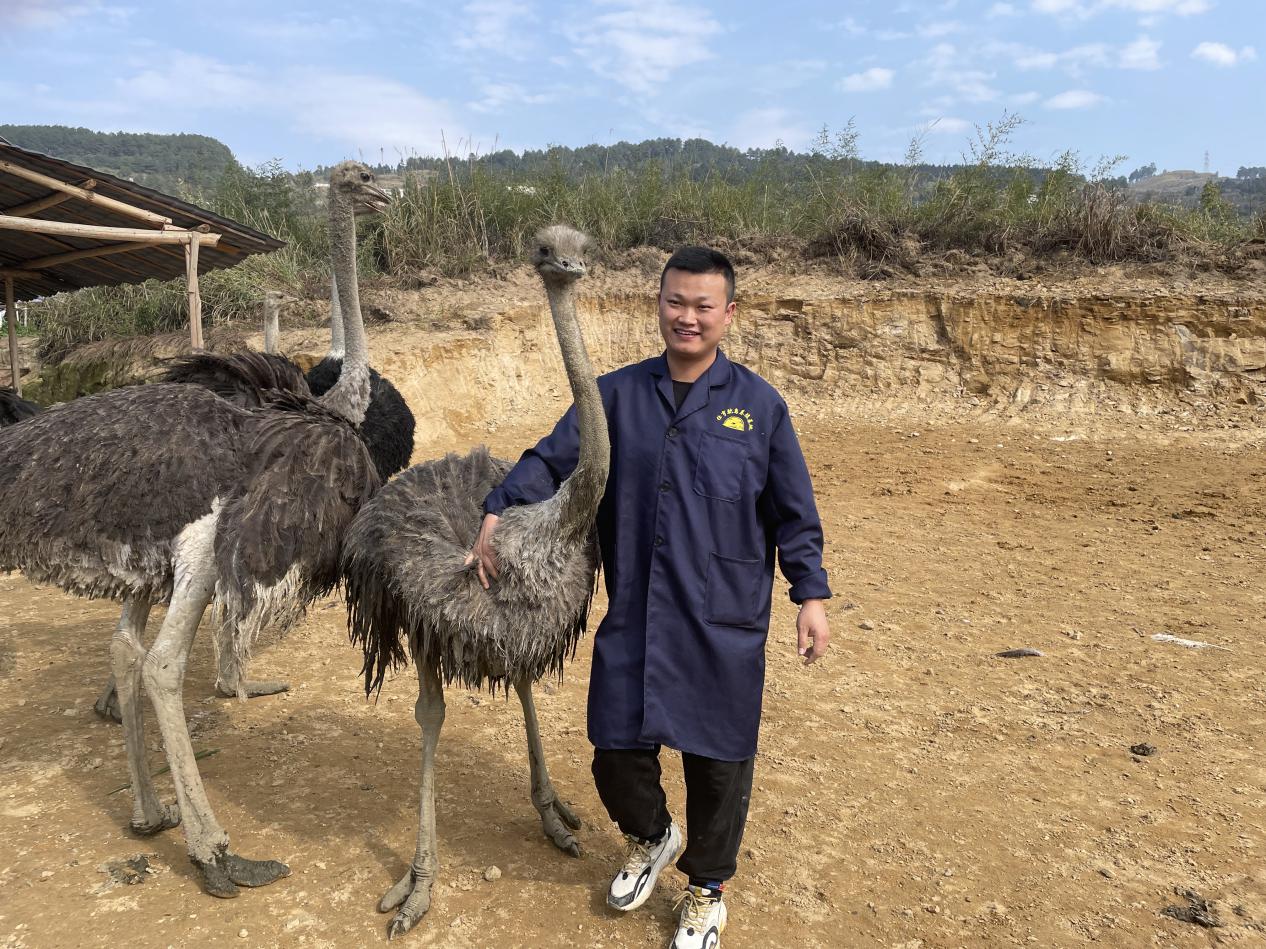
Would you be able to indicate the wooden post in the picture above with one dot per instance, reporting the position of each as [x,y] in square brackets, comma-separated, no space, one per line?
[11,321]
[195,299]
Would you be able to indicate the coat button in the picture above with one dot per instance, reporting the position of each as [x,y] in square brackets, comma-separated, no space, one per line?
[665,486]
[672,432]
[659,541]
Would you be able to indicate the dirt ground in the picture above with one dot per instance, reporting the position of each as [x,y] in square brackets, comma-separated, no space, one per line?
[912,789]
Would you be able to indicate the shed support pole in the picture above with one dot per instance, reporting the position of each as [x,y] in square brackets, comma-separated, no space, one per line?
[195,298]
[11,322]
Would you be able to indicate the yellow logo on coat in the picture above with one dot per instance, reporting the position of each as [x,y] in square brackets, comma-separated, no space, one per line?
[740,420]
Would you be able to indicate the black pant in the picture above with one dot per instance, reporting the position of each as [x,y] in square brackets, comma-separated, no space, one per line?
[717,796]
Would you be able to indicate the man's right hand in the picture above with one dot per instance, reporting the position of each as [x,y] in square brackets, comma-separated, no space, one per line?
[482,553]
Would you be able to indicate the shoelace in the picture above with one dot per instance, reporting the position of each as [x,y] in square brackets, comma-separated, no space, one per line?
[637,851]
[695,914]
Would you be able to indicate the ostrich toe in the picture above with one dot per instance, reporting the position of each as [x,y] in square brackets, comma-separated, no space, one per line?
[413,895]
[169,818]
[558,821]
[107,705]
[225,872]
[252,689]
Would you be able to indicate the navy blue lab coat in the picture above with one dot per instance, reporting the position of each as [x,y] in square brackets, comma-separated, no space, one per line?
[696,501]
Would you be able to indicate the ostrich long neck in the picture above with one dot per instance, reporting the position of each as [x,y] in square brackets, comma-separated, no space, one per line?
[349,397]
[272,327]
[583,490]
[337,346]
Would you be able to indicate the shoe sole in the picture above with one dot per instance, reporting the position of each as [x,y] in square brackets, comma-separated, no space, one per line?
[650,882]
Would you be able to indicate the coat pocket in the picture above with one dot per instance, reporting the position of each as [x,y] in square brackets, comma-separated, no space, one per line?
[721,467]
[733,597]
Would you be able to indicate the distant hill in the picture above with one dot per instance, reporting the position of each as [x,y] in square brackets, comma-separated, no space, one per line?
[183,165]
[1247,194]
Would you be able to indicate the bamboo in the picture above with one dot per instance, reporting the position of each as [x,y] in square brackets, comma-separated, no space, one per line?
[10,312]
[195,299]
[40,263]
[43,204]
[101,233]
[84,194]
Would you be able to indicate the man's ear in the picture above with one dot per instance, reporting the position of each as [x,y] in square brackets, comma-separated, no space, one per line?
[730,309]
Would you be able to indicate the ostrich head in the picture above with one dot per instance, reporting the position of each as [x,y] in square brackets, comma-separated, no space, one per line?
[355,183]
[275,299]
[560,254]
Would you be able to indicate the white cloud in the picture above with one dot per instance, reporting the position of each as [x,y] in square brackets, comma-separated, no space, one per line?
[1151,10]
[355,111]
[761,128]
[1176,7]
[1222,55]
[1074,99]
[1141,54]
[55,14]
[498,95]
[947,125]
[493,25]
[939,28]
[1002,9]
[640,43]
[957,75]
[872,80]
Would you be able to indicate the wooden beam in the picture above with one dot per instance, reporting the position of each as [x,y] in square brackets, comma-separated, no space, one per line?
[10,321]
[101,233]
[42,263]
[42,204]
[195,298]
[84,194]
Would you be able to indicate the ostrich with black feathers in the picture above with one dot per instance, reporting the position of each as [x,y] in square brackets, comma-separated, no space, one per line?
[170,494]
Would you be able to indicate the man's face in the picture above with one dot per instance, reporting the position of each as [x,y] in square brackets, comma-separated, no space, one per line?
[693,314]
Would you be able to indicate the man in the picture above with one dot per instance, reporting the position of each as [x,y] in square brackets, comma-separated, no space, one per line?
[706,480]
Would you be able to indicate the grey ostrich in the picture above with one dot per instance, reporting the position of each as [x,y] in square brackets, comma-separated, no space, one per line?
[403,564]
[274,300]
[169,493]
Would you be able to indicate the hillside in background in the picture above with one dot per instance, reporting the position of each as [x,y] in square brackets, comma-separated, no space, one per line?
[183,165]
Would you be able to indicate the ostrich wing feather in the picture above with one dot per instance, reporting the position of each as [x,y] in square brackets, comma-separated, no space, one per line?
[14,408]
[388,426]
[279,539]
[246,378]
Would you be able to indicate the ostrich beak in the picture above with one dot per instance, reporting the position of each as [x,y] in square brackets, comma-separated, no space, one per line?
[373,200]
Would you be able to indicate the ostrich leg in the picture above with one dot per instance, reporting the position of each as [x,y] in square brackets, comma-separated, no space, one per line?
[229,682]
[164,674]
[127,653]
[557,819]
[414,888]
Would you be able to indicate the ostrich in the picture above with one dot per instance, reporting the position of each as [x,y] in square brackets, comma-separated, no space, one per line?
[274,300]
[168,493]
[388,426]
[403,565]
[14,408]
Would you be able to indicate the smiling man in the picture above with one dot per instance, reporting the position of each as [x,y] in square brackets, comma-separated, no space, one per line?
[707,480]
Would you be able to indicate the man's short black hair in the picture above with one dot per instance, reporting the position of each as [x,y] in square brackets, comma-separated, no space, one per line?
[696,259]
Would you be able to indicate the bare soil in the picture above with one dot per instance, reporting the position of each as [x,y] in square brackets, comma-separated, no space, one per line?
[912,789]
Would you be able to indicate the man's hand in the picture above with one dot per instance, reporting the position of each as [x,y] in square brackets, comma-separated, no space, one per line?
[813,633]
[483,553]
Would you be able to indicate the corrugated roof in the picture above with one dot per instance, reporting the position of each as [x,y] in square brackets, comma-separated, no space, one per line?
[237,241]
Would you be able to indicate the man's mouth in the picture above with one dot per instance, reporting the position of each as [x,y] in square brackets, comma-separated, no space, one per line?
[685,333]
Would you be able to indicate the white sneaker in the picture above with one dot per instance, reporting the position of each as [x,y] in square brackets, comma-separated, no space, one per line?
[703,918]
[633,884]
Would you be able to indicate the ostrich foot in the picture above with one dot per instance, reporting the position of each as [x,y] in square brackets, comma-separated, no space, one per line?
[414,892]
[251,689]
[107,705]
[169,818]
[558,821]
[225,872]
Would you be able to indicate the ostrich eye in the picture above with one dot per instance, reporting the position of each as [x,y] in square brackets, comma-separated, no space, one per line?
[364,176]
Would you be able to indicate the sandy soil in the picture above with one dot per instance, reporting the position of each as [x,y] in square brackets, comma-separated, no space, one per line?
[912,789]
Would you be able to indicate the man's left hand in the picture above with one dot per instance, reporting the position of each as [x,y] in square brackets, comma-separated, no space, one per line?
[813,633]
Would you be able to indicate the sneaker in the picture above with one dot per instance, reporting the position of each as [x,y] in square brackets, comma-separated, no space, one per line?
[702,919]
[633,884]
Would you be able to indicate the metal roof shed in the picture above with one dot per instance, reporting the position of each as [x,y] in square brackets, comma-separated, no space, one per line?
[65,226]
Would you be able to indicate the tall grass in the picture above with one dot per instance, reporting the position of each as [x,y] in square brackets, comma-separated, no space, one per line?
[874,219]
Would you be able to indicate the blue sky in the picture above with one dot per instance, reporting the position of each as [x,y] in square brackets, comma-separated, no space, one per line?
[1155,80]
